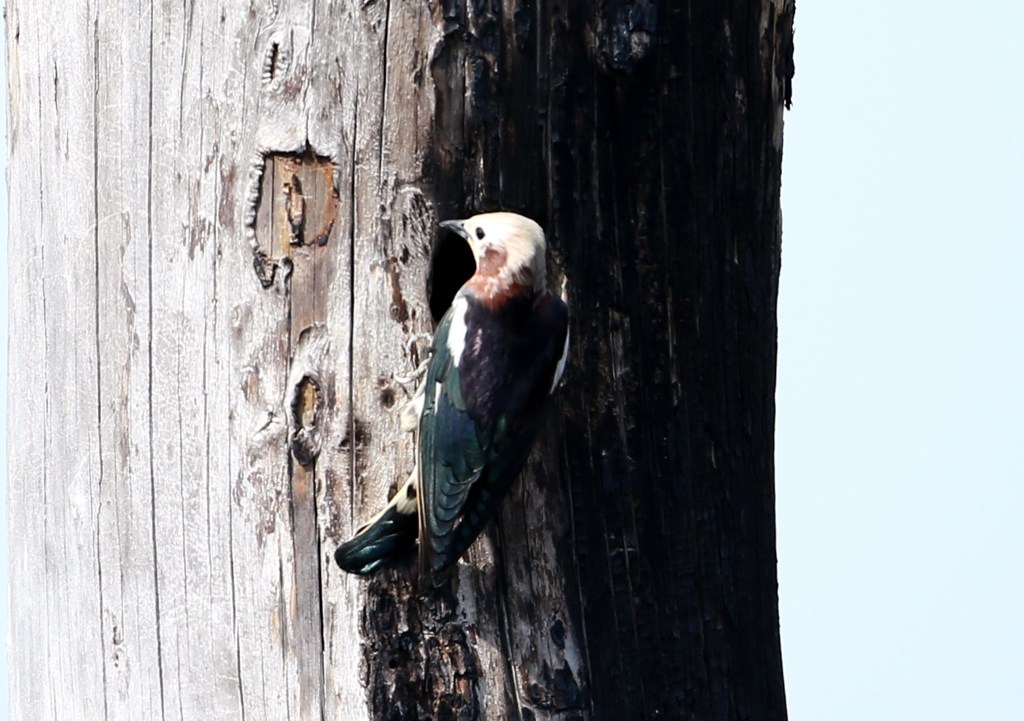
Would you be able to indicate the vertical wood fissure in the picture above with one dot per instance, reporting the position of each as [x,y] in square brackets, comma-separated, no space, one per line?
[321,635]
[149,362]
[52,663]
[385,62]
[97,335]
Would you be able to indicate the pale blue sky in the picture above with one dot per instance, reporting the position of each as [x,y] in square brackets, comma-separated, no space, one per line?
[900,472]
[899,466]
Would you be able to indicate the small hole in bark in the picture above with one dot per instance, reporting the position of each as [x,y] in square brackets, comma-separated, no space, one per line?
[387,397]
[451,265]
[361,433]
[272,58]
[307,407]
[306,402]
[265,268]
[558,633]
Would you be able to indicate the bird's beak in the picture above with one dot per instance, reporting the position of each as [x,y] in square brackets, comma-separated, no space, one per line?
[459,226]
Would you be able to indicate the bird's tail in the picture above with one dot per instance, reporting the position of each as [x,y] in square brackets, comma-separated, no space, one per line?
[386,538]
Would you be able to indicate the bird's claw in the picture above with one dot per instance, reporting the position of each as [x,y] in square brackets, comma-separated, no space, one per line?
[407,378]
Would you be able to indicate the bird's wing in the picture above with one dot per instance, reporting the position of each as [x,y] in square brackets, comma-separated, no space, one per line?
[479,421]
[451,456]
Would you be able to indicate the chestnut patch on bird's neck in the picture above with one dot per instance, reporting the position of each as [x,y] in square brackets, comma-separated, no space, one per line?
[492,262]
[495,283]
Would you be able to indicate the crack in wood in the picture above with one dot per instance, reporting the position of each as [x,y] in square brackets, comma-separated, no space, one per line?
[295,208]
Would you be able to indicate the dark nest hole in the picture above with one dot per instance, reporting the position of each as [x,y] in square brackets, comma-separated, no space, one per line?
[451,264]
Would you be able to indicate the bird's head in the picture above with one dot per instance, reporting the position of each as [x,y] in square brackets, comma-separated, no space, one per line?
[509,250]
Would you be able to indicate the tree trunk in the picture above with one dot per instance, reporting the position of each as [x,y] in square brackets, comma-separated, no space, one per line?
[222,227]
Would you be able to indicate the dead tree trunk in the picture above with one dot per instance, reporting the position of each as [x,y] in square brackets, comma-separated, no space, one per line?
[222,224]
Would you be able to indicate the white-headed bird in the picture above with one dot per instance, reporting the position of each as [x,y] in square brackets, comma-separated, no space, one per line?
[497,356]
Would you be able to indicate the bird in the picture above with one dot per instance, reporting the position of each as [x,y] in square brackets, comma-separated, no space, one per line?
[497,357]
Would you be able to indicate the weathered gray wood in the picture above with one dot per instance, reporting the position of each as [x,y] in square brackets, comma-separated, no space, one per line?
[55,456]
[163,554]
[221,226]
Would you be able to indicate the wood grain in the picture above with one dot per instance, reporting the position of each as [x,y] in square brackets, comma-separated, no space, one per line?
[222,223]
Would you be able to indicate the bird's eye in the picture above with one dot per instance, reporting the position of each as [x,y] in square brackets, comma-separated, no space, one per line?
[480,233]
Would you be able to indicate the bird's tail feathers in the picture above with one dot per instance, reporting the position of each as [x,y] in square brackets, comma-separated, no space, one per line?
[378,544]
[385,539]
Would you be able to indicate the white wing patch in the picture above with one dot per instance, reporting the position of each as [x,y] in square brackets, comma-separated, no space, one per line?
[560,368]
[456,341]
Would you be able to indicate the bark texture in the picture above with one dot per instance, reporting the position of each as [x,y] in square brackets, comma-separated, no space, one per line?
[222,227]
